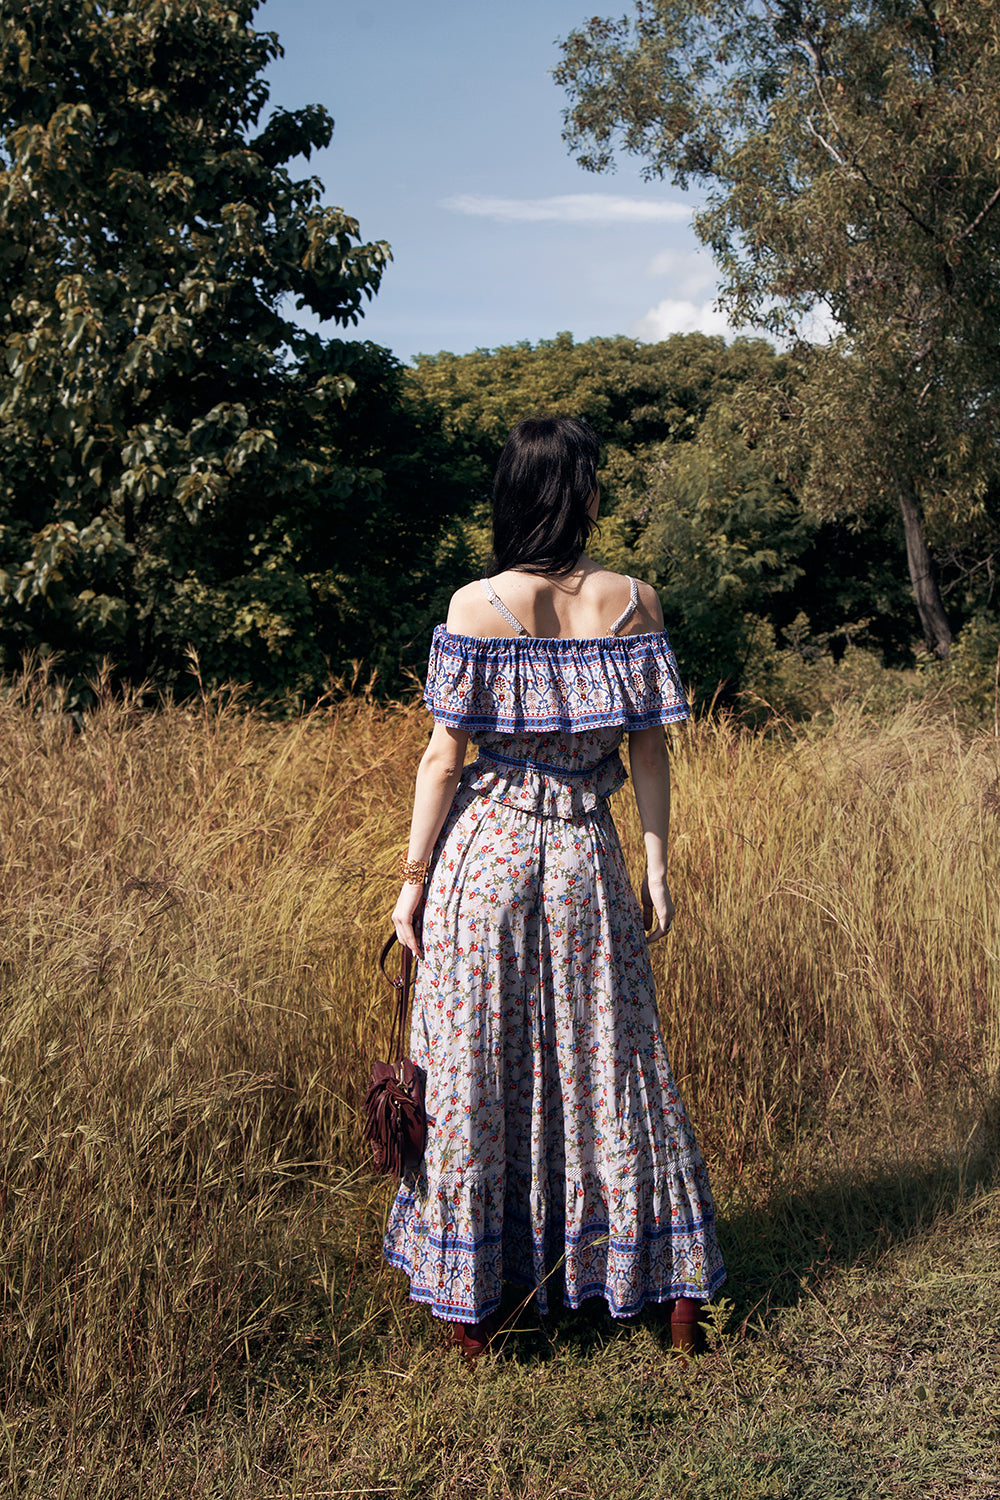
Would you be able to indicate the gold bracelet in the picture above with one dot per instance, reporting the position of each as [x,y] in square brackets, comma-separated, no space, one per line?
[413,871]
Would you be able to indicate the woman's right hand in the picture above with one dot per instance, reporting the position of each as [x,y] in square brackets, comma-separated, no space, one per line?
[657,907]
[406,917]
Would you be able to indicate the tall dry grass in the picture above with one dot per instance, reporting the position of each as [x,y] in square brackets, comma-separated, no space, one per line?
[192,904]
[839,936]
[193,901]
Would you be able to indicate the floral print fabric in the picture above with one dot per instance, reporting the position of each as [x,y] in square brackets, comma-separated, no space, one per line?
[543,774]
[559,1141]
[516,683]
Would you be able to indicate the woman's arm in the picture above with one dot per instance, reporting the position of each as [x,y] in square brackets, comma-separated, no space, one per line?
[437,777]
[650,767]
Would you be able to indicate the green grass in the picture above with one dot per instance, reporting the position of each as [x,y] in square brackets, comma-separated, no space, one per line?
[877,1378]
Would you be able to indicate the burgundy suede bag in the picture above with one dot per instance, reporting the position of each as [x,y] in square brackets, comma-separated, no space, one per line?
[395,1118]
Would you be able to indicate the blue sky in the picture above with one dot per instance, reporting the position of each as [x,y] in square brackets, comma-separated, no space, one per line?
[448,145]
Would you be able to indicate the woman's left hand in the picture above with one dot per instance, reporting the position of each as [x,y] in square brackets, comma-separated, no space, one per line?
[657,907]
[406,917]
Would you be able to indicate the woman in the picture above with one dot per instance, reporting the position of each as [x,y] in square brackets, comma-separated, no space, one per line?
[558,1137]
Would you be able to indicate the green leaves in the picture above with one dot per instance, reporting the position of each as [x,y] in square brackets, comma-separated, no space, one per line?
[156,403]
[721,540]
[850,152]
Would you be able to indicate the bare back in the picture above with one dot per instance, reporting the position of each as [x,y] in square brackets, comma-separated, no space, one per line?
[582,606]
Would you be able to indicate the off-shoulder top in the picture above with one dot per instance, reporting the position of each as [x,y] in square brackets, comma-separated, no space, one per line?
[548,714]
[532,684]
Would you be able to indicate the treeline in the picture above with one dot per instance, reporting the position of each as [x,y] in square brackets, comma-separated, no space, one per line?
[744,564]
[185,472]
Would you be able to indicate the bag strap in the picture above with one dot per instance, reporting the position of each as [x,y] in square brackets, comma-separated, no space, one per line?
[401,984]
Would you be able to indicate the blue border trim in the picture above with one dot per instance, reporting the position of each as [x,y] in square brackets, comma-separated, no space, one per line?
[470,654]
[557,772]
[555,645]
[454,1312]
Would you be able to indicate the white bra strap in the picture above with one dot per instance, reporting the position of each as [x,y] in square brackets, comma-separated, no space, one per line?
[501,608]
[629,610]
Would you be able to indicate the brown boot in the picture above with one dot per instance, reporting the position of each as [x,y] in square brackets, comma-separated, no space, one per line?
[685,1330]
[474,1338]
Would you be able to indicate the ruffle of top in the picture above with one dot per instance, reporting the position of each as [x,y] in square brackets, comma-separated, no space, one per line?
[518,684]
[545,790]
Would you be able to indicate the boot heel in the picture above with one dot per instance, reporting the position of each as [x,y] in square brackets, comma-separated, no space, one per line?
[685,1330]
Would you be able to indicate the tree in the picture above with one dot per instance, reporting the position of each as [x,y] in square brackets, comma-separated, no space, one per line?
[720,538]
[686,502]
[181,463]
[850,152]
[635,395]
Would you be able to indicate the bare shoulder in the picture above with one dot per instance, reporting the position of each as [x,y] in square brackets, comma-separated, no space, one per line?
[615,590]
[471,613]
[463,608]
[650,609]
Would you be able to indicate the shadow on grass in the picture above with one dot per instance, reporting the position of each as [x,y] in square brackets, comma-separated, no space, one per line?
[793,1236]
[800,1232]
[789,1227]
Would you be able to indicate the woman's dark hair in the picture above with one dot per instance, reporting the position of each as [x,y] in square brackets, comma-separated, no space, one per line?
[544,484]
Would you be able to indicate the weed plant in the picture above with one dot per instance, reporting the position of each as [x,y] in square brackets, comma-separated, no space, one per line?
[192,1300]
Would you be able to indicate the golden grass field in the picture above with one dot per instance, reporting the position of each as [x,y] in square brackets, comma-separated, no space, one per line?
[193,1302]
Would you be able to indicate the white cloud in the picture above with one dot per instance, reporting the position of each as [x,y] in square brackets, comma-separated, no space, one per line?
[569,208]
[692,314]
[689,271]
[677,315]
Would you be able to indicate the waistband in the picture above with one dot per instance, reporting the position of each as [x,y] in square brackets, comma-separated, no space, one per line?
[560,772]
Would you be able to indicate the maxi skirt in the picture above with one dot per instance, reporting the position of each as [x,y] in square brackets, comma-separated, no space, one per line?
[559,1147]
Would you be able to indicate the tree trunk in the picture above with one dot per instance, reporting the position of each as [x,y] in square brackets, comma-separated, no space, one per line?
[133,663]
[937,631]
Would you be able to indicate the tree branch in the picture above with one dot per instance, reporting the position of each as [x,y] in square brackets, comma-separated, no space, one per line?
[818,74]
[853,166]
[829,147]
[966,573]
[980,216]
